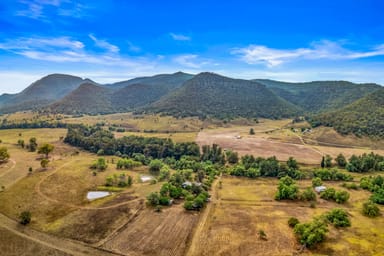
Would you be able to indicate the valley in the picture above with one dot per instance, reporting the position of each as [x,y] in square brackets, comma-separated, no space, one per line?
[122,223]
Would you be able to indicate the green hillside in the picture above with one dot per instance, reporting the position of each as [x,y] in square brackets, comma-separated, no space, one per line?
[209,94]
[88,98]
[363,117]
[320,96]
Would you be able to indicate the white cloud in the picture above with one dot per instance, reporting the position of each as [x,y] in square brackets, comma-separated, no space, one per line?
[103,44]
[180,37]
[36,9]
[191,61]
[256,54]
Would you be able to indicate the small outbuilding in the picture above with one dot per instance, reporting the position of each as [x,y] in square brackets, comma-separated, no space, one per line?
[320,189]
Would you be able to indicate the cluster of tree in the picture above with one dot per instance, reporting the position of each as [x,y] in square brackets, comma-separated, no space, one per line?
[288,189]
[127,163]
[95,138]
[365,163]
[100,164]
[311,233]
[374,185]
[332,175]
[268,167]
[339,196]
[190,185]
[31,125]
[121,180]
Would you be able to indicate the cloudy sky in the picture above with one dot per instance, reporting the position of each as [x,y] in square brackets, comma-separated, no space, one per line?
[112,40]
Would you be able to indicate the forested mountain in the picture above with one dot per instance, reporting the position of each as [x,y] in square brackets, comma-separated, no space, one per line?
[209,94]
[40,93]
[320,96]
[362,117]
[88,98]
[167,81]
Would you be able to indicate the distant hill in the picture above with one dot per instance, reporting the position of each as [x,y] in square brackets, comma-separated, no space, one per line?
[40,93]
[167,81]
[209,94]
[363,117]
[114,98]
[88,98]
[320,96]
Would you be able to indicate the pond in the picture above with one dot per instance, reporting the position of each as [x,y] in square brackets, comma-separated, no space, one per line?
[92,195]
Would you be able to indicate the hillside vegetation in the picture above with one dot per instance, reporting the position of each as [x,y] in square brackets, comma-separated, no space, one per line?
[209,94]
[363,117]
[320,96]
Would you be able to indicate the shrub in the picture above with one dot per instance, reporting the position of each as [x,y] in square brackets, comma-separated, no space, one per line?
[25,217]
[341,196]
[338,217]
[153,199]
[311,233]
[328,194]
[370,209]
[155,165]
[308,195]
[317,182]
[287,189]
[292,222]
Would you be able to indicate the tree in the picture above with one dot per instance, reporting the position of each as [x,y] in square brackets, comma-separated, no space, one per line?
[4,155]
[100,164]
[292,163]
[308,195]
[155,165]
[341,161]
[341,196]
[21,143]
[338,217]
[370,209]
[292,222]
[32,144]
[317,182]
[25,217]
[311,233]
[251,131]
[44,162]
[287,189]
[232,157]
[153,199]
[328,161]
[322,164]
[45,149]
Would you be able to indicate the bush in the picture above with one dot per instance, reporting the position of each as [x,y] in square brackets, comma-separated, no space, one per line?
[370,209]
[153,199]
[155,165]
[317,182]
[25,217]
[287,189]
[308,195]
[311,233]
[292,222]
[188,205]
[163,200]
[338,217]
[378,196]
[341,197]
[350,186]
[328,194]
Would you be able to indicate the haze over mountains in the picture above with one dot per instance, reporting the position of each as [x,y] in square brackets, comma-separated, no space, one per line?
[207,95]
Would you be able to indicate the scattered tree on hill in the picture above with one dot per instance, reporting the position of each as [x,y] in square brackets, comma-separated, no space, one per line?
[232,157]
[100,164]
[338,217]
[21,143]
[328,161]
[311,233]
[45,149]
[32,144]
[155,165]
[44,162]
[370,209]
[287,189]
[322,164]
[4,155]
[292,163]
[251,131]
[25,217]
[341,161]
[317,182]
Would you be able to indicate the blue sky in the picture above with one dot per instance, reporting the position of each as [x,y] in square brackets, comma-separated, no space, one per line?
[109,41]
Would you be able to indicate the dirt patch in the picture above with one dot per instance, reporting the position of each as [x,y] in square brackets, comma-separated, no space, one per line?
[151,233]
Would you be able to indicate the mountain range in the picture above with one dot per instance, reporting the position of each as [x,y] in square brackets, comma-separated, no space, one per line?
[331,103]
